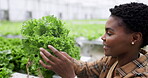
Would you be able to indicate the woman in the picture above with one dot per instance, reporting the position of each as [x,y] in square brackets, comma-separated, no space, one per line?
[126,33]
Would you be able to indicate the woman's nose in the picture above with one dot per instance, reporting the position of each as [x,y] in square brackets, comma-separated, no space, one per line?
[103,38]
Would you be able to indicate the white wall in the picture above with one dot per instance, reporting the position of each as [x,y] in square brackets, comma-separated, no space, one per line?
[20,10]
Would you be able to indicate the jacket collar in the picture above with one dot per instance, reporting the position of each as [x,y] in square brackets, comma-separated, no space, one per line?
[131,66]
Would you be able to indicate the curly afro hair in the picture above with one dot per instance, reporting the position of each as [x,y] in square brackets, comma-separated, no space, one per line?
[135,18]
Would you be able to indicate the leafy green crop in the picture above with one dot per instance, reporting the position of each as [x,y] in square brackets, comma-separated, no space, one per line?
[42,32]
[5,72]
[10,56]
[22,55]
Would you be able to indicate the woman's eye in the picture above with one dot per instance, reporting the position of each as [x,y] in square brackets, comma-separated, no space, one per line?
[109,33]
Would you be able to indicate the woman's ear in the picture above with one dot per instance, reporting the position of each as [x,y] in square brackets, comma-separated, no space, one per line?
[136,37]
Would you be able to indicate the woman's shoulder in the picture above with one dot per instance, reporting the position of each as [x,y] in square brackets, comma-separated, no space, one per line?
[138,73]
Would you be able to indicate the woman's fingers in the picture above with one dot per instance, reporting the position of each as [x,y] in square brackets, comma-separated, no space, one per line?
[56,52]
[45,66]
[47,54]
[60,64]
[65,54]
[46,59]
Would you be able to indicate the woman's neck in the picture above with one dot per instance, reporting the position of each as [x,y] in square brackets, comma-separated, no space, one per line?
[127,57]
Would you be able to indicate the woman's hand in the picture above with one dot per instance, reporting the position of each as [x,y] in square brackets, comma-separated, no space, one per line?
[61,64]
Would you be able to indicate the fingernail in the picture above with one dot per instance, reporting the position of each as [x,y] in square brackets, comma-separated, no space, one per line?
[41,52]
[49,45]
[41,48]
[40,61]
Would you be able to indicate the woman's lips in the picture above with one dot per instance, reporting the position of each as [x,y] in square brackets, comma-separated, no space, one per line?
[106,46]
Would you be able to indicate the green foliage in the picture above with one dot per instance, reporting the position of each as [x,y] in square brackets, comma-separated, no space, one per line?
[11,54]
[90,29]
[42,32]
[7,27]
[5,72]
[4,64]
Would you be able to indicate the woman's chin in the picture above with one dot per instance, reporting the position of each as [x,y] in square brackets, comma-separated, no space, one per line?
[107,53]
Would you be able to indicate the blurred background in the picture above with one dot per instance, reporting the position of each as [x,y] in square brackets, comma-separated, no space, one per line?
[20,10]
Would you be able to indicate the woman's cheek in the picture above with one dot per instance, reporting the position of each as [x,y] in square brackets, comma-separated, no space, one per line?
[113,43]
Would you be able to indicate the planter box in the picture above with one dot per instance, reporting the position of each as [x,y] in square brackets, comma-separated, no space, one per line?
[20,75]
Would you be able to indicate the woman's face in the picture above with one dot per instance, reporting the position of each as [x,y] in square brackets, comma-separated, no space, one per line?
[116,40]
